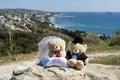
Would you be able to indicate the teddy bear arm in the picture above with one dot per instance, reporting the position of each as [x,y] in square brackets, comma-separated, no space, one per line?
[68,55]
[62,54]
[51,54]
[83,57]
[86,61]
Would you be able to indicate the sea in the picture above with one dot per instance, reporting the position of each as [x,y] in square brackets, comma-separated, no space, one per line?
[91,22]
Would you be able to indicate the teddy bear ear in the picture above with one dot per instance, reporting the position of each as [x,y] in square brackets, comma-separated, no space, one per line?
[49,43]
[69,42]
[85,46]
[69,46]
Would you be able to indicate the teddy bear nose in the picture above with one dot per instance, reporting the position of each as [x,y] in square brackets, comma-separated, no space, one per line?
[56,48]
[76,51]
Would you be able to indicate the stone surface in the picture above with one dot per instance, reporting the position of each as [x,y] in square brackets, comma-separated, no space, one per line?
[52,73]
[102,72]
[20,69]
[89,72]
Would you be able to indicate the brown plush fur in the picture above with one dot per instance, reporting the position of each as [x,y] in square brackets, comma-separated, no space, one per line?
[77,63]
[59,43]
[71,46]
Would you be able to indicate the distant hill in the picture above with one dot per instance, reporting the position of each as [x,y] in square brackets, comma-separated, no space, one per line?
[23,19]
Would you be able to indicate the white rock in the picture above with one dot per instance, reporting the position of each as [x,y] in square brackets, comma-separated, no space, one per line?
[19,70]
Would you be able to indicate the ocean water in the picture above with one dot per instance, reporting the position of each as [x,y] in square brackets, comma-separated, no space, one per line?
[91,22]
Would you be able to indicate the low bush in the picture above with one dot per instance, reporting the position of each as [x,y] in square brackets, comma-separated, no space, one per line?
[115,41]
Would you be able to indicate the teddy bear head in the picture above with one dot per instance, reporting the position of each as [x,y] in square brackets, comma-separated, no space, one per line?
[57,48]
[77,46]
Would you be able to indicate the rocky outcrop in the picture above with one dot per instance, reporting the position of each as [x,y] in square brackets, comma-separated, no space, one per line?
[102,72]
[89,72]
[52,73]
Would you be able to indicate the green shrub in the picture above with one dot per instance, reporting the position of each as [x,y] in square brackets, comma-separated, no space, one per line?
[92,39]
[115,41]
[117,32]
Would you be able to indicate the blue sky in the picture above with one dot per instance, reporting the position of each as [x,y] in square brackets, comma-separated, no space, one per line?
[64,5]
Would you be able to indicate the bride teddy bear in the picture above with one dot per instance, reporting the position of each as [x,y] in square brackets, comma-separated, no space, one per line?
[52,52]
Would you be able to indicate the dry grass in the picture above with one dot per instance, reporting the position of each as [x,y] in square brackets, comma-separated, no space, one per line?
[20,57]
[109,60]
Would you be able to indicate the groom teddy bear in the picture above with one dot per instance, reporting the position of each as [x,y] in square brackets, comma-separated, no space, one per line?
[76,53]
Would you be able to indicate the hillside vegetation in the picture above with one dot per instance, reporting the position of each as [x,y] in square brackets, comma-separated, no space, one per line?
[26,42]
[23,39]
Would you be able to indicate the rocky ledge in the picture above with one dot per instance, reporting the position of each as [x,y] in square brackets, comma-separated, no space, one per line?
[90,72]
[52,73]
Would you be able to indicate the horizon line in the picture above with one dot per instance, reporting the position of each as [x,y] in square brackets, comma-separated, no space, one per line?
[61,11]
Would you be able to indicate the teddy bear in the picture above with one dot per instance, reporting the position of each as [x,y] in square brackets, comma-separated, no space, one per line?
[52,52]
[76,53]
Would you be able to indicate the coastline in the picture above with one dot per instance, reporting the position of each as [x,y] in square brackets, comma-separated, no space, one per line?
[98,26]
[52,20]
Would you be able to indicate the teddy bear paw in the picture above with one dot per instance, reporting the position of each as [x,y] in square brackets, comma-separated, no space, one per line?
[79,65]
[71,63]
